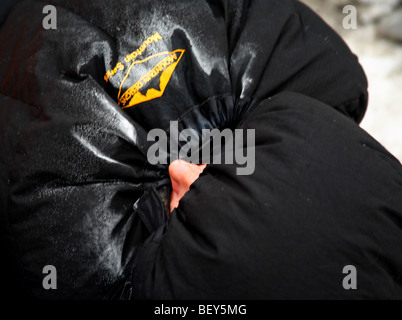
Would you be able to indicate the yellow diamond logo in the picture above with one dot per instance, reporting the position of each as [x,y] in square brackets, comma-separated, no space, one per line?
[141,91]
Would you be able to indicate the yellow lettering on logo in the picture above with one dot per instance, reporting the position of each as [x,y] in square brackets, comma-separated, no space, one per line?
[132,56]
[155,38]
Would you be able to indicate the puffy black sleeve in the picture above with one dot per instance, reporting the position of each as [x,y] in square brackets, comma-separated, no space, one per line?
[324,195]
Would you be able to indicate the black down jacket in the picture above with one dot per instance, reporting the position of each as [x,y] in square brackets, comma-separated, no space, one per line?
[77,191]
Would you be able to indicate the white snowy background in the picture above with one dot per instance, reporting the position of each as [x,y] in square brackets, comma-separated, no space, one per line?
[381,59]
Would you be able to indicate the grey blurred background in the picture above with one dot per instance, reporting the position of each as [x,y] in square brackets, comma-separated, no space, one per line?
[377,42]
